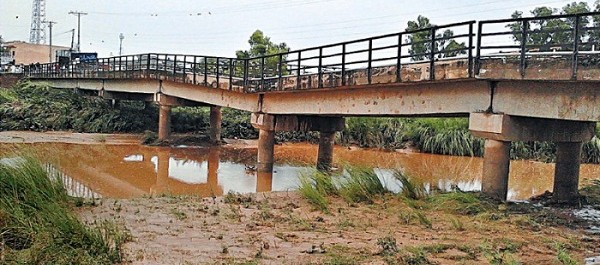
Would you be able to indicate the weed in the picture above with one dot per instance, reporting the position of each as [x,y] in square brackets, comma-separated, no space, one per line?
[563,256]
[464,203]
[457,224]
[388,246]
[423,220]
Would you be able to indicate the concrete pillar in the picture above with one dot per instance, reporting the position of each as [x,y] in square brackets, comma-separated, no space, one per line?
[164,122]
[266,144]
[566,172]
[264,181]
[496,164]
[325,154]
[215,124]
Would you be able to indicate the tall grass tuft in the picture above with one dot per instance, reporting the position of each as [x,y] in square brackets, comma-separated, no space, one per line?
[315,187]
[410,189]
[590,152]
[37,225]
[361,185]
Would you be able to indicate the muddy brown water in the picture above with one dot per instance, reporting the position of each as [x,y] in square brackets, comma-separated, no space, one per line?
[132,170]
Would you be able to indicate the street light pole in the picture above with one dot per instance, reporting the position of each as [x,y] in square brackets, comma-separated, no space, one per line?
[78,14]
[50,24]
[121,37]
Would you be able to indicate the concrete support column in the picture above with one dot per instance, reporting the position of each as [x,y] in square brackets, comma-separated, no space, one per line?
[496,164]
[266,145]
[164,122]
[215,124]
[566,172]
[325,154]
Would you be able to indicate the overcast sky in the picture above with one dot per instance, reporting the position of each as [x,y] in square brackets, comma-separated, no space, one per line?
[220,27]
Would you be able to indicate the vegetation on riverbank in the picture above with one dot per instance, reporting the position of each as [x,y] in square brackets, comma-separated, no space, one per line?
[430,209]
[37,107]
[39,226]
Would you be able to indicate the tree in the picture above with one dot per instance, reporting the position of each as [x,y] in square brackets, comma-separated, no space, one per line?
[548,34]
[420,41]
[261,45]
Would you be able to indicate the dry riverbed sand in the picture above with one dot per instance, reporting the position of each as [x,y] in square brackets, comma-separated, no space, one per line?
[283,228]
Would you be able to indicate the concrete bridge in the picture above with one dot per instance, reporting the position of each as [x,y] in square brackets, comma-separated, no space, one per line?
[513,92]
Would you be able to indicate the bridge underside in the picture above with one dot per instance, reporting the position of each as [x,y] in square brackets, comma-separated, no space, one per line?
[499,110]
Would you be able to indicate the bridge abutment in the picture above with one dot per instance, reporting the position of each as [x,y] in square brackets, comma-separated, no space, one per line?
[499,130]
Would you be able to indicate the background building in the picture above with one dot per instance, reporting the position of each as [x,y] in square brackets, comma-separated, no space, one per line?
[28,53]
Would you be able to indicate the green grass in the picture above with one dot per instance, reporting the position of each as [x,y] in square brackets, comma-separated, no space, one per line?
[410,189]
[361,185]
[38,226]
[313,192]
[463,203]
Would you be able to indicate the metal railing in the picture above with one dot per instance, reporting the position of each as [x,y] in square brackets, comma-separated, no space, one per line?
[534,39]
[424,54]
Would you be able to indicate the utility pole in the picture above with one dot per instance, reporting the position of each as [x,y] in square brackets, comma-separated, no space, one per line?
[78,14]
[50,24]
[121,37]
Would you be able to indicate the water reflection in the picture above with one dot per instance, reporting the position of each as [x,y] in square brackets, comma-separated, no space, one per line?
[125,171]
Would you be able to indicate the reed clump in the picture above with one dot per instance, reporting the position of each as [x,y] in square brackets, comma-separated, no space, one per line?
[38,225]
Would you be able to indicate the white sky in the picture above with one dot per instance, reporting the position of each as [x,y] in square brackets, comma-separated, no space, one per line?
[174,26]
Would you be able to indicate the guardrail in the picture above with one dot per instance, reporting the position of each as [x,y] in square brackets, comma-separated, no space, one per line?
[424,54]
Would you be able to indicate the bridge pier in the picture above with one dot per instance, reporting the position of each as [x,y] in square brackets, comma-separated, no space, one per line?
[499,130]
[325,153]
[268,124]
[215,124]
[566,172]
[496,164]
[164,122]
[266,147]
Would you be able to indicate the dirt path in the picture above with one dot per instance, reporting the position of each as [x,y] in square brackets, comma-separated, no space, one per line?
[282,228]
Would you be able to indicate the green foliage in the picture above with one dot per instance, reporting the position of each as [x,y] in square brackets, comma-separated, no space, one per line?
[550,33]
[421,41]
[261,45]
[236,124]
[591,193]
[39,107]
[37,225]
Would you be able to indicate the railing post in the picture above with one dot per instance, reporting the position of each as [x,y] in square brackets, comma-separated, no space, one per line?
[370,62]
[298,86]
[262,73]
[320,69]
[470,50]
[246,66]
[478,58]
[399,60]
[195,69]
[522,63]
[217,73]
[432,56]
[230,73]
[575,60]
[205,71]
[184,67]
[280,72]
[175,68]
[344,64]
[148,64]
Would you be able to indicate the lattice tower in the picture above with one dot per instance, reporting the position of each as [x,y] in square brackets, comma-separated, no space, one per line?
[37,34]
